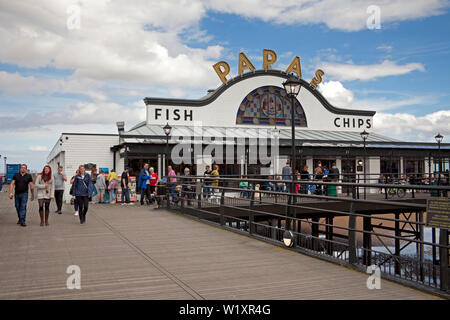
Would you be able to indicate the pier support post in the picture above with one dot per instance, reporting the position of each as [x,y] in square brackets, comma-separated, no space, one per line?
[397,243]
[443,259]
[353,258]
[367,241]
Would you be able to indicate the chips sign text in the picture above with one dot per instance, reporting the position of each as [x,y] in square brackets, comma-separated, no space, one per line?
[222,68]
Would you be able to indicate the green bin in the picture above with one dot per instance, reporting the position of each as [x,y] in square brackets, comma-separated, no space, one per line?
[332,191]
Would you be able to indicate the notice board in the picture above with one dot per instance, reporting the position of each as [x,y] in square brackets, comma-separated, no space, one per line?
[438,213]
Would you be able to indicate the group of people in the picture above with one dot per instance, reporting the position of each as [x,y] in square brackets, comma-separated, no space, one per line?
[321,174]
[48,186]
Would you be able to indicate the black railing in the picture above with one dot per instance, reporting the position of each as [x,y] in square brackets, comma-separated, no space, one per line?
[372,231]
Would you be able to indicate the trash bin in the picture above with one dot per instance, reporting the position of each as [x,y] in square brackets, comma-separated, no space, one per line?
[332,191]
[434,193]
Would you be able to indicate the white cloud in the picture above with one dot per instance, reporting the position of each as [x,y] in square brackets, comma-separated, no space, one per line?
[347,15]
[138,43]
[385,48]
[81,114]
[15,83]
[412,127]
[38,148]
[401,125]
[336,94]
[349,72]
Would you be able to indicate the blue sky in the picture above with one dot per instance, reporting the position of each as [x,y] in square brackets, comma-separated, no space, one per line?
[55,79]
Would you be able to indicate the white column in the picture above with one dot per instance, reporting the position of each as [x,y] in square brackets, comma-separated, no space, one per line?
[310,164]
[339,166]
[374,170]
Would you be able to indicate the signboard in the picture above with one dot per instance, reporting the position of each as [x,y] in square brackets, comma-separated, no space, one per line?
[11,169]
[438,213]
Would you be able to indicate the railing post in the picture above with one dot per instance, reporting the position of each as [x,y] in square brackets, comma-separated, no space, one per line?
[250,214]
[353,259]
[397,244]
[222,208]
[198,190]
[168,187]
[443,259]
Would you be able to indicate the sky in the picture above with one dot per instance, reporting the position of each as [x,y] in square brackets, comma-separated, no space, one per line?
[80,66]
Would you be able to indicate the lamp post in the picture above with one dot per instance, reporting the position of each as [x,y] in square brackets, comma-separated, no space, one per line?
[364,136]
[167,129]
[439,138]
[275,135]
[292,88]
[4,158]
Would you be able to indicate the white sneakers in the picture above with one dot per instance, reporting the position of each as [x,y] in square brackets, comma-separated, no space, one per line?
[76,213]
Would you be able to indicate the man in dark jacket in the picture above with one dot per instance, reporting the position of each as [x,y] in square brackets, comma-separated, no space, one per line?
[144,183]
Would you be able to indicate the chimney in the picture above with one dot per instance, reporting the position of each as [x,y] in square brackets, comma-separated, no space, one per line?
[120,129]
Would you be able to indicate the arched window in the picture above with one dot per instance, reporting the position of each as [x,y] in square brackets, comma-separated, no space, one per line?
[269,105]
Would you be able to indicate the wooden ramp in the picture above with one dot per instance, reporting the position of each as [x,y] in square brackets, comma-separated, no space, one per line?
[134,252]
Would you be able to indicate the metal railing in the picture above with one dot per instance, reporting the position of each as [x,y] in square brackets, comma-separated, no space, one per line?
[346,230]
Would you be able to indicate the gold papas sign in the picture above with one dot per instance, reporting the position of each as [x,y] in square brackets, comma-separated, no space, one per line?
[222,68]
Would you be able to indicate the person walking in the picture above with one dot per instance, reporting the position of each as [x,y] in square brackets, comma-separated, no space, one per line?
[125,199]
[318,176]
[113,185]
[286,173]
[93,189]
[143,183]
[21,181]
[172,183]
[81,192]
[207,183]
[75,202]
[100,184]
[153,181]
[45,185]
[304,176]
[59,179]
[215,183]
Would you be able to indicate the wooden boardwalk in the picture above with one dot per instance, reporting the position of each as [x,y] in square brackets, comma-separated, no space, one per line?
[139,253]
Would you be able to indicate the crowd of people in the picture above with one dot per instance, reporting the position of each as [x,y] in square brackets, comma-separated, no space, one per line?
[85,186]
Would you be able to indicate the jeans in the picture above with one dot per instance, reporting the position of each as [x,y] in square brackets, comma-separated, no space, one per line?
[112,192]
[21,200]
[83,204]
[173,192]
[145,193]
[59,199]
[125,195]
[207,190]
[244,193]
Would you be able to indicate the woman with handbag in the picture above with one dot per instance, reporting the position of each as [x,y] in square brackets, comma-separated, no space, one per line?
[81,192]
[113,185]
[45,190]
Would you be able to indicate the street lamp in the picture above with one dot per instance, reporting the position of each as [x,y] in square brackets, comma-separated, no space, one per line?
[439,139]
[292,87]
[167,129]
[364,136]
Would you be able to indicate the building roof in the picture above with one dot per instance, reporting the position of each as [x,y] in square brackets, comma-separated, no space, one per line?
[155,134]
[214,94]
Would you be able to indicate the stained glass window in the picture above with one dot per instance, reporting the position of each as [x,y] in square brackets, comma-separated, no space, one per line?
[269,105]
